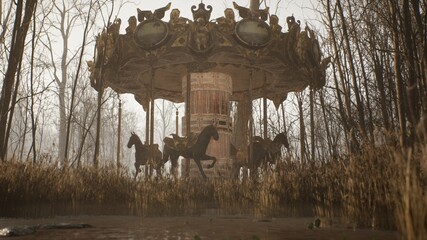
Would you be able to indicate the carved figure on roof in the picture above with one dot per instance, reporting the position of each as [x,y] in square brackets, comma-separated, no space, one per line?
[90,66]
[291,38]
[201,34]
[292,23]
[318,74]
[105,42]
[227,23]
[132,25]
[100,40]
[308,49]
[147,14]
[114,29]
[276,29]
[201,12]
[176,22]
[104,48]
[248,13]
[200,38]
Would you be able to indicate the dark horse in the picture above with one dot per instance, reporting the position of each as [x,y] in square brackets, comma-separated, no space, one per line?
[144,152]
[266,151]
[197,151]
[172,154]
[263,151]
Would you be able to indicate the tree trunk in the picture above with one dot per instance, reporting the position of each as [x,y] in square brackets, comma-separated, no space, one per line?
[312,139]
[356,90]
[346,116]
[73,91]
[98,126]
[302,128]
[33,121]
[365,78]
[412,87]
[378,70]
[398,75]
[331,147]
[422,32]
[15,57]
[119,133]
[12,107]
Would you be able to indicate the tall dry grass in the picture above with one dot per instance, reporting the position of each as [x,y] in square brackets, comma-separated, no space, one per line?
[380,188]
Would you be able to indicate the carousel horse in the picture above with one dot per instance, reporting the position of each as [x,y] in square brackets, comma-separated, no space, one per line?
[170,152]
[144,152]
[196,151]
[265,151]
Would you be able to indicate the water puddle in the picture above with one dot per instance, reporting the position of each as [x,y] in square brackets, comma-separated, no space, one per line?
[189,227]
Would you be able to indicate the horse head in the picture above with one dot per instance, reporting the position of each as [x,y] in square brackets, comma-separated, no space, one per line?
[214,131]
[133,139]
[282,139]
[169,142]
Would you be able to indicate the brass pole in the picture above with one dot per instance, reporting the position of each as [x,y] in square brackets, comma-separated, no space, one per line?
[188,119]
[152,106]
[264,103]
[151,118]
[147,120]
[176,121]
[254,5]
[147,123]
[250,120]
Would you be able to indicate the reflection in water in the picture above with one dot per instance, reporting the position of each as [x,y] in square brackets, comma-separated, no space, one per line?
[192,227]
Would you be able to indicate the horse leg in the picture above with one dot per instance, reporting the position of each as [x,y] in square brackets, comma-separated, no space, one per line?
[207,157]
[200,168]
[174,167]
[137,169]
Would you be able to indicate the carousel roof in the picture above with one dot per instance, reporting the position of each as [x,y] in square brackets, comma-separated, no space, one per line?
[251,49]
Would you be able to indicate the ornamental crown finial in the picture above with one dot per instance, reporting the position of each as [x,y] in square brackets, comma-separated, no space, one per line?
[202,12]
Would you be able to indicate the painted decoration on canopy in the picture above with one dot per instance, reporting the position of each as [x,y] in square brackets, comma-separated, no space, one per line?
[253,33]
[151,34]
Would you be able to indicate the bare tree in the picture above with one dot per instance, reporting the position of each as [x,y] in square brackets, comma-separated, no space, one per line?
[16,51]
[76,78]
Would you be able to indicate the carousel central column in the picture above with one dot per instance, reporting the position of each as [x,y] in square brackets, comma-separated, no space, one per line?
[210,102]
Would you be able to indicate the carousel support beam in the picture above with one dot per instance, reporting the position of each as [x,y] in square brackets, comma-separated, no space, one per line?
[147,122]
[254,5]
[151,118]
[152,106]
[241,135]
[176,121]
[264,104]
[250,118]
[188,120]
[209,96]
[147,130]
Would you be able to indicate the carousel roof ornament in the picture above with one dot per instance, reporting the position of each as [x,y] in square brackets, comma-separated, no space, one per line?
[279,62]
[249,13]
[201,12]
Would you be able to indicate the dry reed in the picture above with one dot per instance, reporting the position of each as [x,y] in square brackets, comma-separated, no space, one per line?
[380,188]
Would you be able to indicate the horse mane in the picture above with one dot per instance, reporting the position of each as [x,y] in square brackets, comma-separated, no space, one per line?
[205,133]
[281,138]
[137,138]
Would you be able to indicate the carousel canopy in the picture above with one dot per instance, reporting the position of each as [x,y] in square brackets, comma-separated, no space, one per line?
[254,49]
